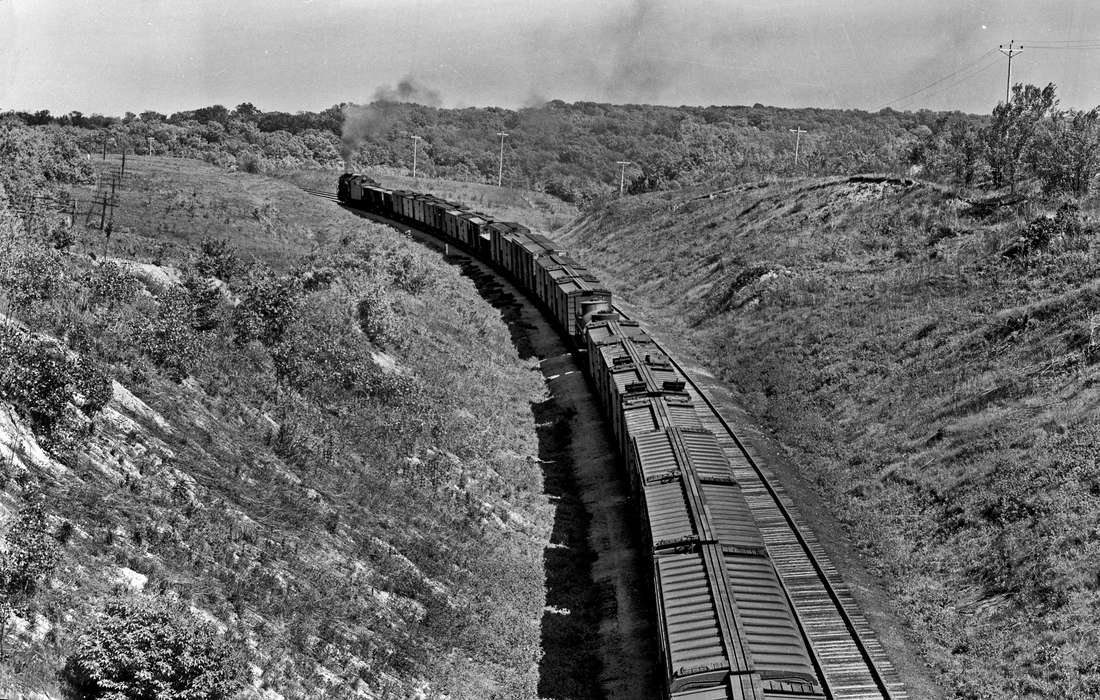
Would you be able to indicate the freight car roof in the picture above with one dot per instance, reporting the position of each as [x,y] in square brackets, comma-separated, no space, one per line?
[611,331]
[699,628]
[544,241]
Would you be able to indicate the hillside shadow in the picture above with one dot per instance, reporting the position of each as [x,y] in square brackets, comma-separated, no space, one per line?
[570,666]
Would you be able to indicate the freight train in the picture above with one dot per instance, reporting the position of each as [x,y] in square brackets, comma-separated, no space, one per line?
[726,627]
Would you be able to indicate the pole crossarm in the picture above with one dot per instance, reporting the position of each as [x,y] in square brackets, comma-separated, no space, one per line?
[1010,51]
[797,131]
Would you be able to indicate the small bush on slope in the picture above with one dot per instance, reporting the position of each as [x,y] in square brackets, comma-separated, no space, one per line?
[153,649]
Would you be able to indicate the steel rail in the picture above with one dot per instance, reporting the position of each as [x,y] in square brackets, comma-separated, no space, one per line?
[866,654]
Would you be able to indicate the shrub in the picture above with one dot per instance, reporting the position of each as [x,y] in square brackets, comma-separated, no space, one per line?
[410,272]
[205,300]
[32,274]
[248,163]
[152,648]
[111,285]
[40,378]
[29,557]
[92,383]
[268,306]
[217,259]
[376,315]
[34,377]
[168,339]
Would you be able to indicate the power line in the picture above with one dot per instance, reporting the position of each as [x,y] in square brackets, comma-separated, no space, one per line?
[1089,47]
[971,66]
[1031,42]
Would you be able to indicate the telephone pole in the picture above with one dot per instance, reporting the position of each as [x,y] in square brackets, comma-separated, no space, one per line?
[797,131]
[416,140]
[1009,51]
[622,174]
[500,167]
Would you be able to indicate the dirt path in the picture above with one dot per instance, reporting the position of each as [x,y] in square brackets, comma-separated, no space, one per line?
[597,628]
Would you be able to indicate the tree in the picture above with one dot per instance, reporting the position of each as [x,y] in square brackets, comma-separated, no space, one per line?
[152,648]
[1014,128]
[246,111]
[963,148]
[1066,155]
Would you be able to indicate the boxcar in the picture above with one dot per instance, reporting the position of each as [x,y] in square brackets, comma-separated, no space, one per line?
[573,299]
[701,645]
[632,368]
[607,332]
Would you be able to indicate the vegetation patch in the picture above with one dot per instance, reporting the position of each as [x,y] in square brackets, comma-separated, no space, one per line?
[302,441]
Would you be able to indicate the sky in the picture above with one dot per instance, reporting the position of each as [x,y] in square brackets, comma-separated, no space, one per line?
[113,56]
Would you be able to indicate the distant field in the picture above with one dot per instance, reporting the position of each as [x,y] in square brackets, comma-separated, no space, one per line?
[166,204]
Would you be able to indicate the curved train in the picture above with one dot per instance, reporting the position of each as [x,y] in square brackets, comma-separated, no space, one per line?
[726,627]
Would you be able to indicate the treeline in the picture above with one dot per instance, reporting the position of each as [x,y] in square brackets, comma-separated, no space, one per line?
[243,138]
[1028,141]
[568,150]
[571,150]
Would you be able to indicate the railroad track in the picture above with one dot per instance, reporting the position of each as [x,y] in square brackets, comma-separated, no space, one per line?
[323,194]
[849,656]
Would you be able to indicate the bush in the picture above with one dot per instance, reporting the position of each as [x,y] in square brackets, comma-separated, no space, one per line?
[152,648]
[34,377]
[376,315]
[268,306]
[31,275]
[111,285]
[217,259]
[92,383]
[205,300]
[249,163]
[40,378]
[29,557]
[169,338]
[410,272]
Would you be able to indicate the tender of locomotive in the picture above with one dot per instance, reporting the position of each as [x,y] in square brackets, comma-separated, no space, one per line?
[725,624]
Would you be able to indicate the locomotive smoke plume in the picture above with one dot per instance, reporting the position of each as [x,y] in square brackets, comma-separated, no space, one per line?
[408,90]
[366,122]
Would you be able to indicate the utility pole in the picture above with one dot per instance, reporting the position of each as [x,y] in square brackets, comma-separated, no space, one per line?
[416,140]
[500,167]
[622,174]
[797,131]
[1009,51]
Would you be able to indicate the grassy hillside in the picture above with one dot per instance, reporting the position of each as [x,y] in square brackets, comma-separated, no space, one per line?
[930,363]
[246,415]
